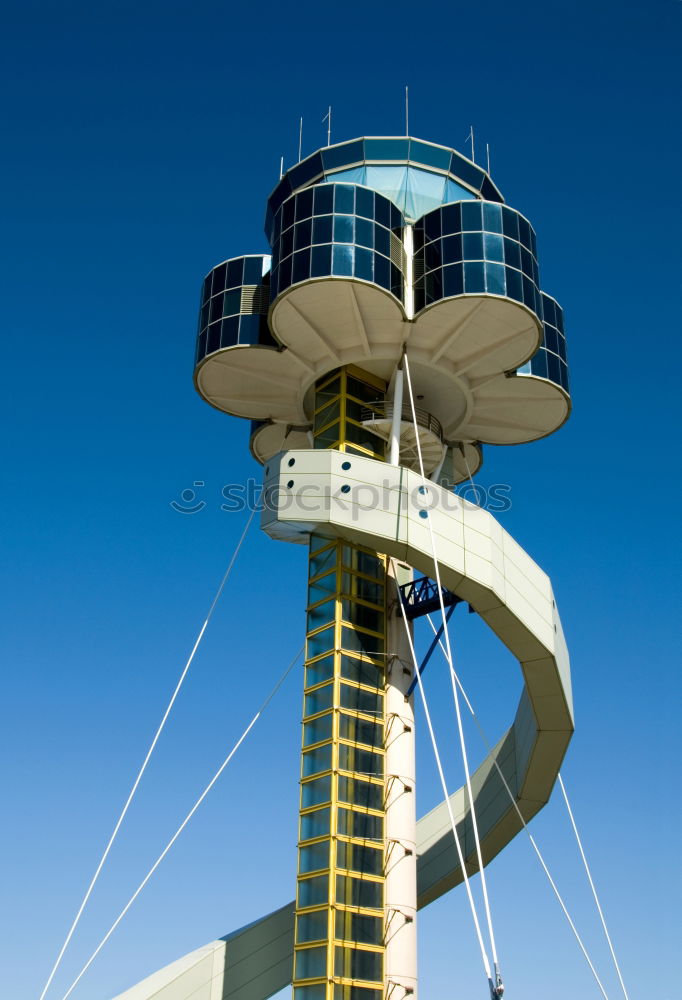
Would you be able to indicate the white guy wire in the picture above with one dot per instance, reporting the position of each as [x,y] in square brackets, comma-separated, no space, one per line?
[182,826]
[592,886]
[458,713]
[453,824]
[524,824]
[150,751]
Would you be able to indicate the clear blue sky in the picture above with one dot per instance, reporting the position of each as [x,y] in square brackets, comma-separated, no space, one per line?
[139,144]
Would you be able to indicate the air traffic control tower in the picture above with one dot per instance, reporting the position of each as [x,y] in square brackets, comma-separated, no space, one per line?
[397,327]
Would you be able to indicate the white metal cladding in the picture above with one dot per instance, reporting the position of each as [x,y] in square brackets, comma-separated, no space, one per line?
[386,507]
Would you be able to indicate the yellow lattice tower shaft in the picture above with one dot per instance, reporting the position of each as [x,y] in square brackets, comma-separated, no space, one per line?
[341,921]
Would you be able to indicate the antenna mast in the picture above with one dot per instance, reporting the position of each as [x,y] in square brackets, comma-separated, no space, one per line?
[407,110]
[300,138]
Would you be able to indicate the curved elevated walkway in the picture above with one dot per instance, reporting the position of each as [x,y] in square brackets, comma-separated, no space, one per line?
[382,506]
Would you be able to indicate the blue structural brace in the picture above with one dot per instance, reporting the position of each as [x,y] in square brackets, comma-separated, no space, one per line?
[420,597]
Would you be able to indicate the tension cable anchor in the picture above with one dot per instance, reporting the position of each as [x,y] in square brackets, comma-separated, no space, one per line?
[496,988]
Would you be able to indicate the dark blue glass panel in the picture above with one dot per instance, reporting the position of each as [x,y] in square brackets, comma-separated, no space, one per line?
[494,279]
[301,268]
[344,199]
[510,223]
[493,247]
[526,262]
[533,243]
[386,149]
[232,302]
[471,216]
[559,317]
[286,244]
[466,171]
[216,308]
[561,345]
[435,284]
[285,274]
[472,246]
[253,270]
[528,292]
[551,338]
[364,232]
[304,204]
[418,237]
[382,211]
[303,232]
[514,284]
[213,339]
[452,219]
[219,275]
[563,372]
[397,220]
[382,271]
[288,209]
[524,232]
[419,299]
[342,261]
[203,315]
[343,228]
[235,272]
[553,368]
[321,262]
[274,283]
[489,191]
[322,229]
[474,278]
[229,335]
[430,155]
[453,280]
[201,345]
[324,199]
[364,264]
[396,282]
[269,227]
[548,310]
[340,156]
[452,249]
[432,256]
[305,171]
[206,287]
[492,217]
[382,240]
[432,226]
[364,202]
[512,253]
[249,329]
[538,364]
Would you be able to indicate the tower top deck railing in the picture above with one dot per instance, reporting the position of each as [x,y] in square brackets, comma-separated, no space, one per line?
[383,410]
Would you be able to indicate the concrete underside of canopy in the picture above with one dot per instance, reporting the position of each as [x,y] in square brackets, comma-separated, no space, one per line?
[460,350]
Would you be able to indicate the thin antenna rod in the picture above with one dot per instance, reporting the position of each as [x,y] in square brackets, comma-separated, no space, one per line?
[281,167]
[487,154]
[328,119]
[300,139]
[471,136]
[407,110]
